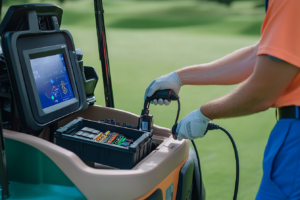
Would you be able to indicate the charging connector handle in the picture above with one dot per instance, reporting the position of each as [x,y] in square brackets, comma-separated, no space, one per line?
[161,94]
[146,120]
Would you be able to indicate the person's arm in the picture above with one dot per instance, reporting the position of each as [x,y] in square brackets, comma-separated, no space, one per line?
[231,69]
[258,93]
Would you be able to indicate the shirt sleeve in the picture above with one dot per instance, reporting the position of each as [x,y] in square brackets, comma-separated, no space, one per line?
[280,36]
[275,59]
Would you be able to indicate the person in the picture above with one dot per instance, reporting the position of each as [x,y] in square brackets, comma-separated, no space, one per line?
[268,73]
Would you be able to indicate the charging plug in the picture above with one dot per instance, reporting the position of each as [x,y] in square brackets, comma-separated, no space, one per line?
[146,120]
[210,127]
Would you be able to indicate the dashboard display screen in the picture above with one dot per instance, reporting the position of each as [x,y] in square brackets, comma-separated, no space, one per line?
[52,80]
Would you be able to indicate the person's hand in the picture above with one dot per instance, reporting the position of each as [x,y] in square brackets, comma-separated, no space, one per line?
[169,81]
[192,126]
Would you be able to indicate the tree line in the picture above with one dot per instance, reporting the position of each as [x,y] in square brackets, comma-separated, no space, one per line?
[226,2]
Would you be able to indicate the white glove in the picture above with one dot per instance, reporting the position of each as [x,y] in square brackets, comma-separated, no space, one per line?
[192,126]
[169,81]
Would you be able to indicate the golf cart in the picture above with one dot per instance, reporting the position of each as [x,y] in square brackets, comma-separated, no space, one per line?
[56,143]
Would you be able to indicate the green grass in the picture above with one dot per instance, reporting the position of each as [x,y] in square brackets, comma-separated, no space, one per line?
[147,39]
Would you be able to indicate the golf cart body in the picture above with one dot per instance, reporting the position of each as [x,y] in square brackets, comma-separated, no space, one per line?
[39,161]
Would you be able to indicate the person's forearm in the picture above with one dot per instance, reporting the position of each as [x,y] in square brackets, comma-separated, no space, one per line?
[256,94]
[242,101]
[231,69]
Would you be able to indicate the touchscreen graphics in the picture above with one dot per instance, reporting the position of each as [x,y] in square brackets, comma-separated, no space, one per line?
[51,79]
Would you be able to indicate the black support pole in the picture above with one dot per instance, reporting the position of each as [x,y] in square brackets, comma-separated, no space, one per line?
[3,172]
[103,53]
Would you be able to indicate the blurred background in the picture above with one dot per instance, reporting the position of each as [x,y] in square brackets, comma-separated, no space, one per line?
[150,38]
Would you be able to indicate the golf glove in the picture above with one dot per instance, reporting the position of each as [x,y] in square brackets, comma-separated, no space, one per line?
[192,126]
[169,81]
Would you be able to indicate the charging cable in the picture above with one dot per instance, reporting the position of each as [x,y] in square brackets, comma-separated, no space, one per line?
[210,127]
[171,96]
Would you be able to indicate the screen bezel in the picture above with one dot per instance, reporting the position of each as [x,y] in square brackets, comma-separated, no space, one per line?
[36,105]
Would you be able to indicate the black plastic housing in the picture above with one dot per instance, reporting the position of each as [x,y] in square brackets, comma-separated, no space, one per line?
[41,33]
[103,153]
[15,18]
[90,78]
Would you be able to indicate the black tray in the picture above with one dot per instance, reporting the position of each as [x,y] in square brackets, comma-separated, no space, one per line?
[103,153]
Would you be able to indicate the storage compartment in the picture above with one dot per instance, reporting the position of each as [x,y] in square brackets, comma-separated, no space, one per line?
[113,155]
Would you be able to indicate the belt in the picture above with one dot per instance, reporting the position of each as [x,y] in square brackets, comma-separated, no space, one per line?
[289,112]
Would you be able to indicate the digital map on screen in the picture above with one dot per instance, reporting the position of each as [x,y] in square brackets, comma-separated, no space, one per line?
[52,80]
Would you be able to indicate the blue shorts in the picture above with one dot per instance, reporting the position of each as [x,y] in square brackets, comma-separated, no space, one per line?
[281,164]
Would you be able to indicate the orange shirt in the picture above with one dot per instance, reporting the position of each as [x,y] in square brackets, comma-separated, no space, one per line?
[280,37]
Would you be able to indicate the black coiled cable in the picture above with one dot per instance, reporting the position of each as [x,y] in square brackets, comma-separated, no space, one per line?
[212,126]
